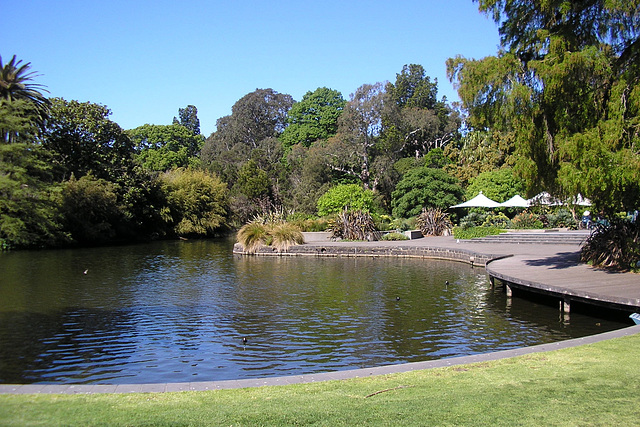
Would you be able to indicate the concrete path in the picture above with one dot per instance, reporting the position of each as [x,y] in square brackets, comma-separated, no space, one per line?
[554,268]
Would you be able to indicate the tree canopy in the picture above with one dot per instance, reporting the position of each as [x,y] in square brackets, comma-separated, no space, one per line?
[314,118]
[565,91]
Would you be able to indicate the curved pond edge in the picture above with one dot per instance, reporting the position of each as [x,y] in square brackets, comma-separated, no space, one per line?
[386,249]
[310,378]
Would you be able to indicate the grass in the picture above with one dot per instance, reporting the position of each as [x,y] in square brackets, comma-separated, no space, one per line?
[591,385]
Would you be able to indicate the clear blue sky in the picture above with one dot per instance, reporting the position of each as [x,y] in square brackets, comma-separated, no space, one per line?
[145,59]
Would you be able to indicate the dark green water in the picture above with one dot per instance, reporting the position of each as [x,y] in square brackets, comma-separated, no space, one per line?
[178,311]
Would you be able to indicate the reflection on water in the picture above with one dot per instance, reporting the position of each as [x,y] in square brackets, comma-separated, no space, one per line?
[178,311]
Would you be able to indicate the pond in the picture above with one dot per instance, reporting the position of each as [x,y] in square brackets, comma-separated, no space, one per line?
[184,311]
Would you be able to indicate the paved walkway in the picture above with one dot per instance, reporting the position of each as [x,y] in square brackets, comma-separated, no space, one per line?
[553,268]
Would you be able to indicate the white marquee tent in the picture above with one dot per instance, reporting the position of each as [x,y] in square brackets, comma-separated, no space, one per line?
[515,202]
[480,201]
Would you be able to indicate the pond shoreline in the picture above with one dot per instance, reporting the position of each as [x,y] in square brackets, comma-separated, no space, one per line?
[552,270]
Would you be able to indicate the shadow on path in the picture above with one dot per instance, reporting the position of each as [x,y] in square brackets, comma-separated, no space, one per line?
[560,260]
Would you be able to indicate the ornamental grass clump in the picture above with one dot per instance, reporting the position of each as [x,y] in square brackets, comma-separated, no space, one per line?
[252,236]
[616,246]
[434,222]
[284,235]
[270,230]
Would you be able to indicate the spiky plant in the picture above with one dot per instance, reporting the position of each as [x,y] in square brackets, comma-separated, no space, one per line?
[434,222]
[616,246]
[252,236]
[353,225]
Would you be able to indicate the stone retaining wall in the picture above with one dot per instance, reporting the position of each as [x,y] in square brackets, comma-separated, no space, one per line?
[461,255]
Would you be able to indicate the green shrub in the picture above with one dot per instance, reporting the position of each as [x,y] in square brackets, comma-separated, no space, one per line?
[499,220]
[561,218]
[394,236]
[424,187]
[475,232]
[526,220]
[473,219]
[404,224]
[337,198]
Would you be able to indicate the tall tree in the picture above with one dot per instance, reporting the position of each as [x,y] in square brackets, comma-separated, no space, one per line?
[82,139]
[565,90]
[28,207]
[16,84]
[161,148]
[250,133]
[414,120]
[353,150]
[188,119]
[314,118]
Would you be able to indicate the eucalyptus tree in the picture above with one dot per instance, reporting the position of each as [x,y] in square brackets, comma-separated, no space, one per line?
[353,150]
[250,132]
[564,88]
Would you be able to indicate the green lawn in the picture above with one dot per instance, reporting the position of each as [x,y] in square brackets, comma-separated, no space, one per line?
[591,385]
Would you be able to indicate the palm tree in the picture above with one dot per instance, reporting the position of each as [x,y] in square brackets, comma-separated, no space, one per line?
[17,89]
[15,83]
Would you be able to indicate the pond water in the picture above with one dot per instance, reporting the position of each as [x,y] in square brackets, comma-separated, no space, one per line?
[180,311]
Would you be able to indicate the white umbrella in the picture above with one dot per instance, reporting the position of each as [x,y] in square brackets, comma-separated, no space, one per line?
[544,198]
[515,202]
[480,201]
[581,201]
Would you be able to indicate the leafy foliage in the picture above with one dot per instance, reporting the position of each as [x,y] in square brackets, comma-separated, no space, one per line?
[394,236]
[616,246]
[352,151]
[342,196]
[414,120]
[499,185]
[434,222]
[16,83]
[526,220]
[314,118]
[564,92]
[161,148]
[91,210]
[83,140]
[188,119]
[424,188]
[29,216]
